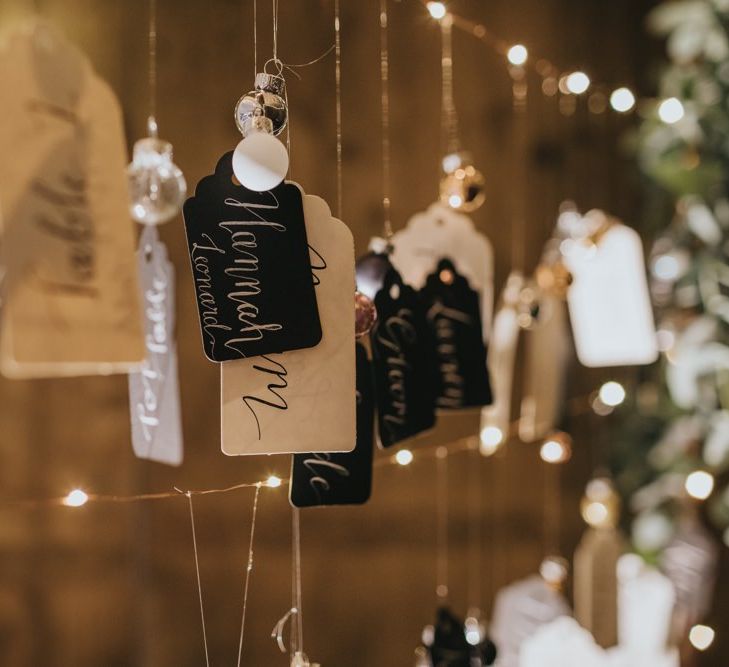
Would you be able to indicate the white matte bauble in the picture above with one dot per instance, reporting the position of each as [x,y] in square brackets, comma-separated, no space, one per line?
[260,161]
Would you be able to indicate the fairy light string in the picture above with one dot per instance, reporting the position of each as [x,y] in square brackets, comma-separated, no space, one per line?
[152,68]
[338,102]
[441,508]
[385,119]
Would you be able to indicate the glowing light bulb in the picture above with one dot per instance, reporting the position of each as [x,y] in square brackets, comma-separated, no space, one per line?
[671,110]
[622,100]
[437,10]
[666,267]
[273,482]
[491,439]
[595,513]
[700,484]
[577,83]
[76,498]
[612,393]
[556,449]
[260,161]
[701,637]
[517,55]
[404,457]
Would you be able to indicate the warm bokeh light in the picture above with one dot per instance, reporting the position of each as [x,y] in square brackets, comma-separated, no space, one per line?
[701,637]
[556,449]
[273,482]
[76,498]
[700,484]
[517,54]
[404,457]
[595,513]
[437,10]
[577,83]
[622,100]
[612,393]
[491,439]
[671,110]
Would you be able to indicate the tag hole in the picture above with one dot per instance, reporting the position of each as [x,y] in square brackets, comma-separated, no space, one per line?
[148,253]
[395,292]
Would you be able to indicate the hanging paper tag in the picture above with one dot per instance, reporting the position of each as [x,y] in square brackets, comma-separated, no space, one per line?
[68,245]
[250,266]
[340,479]
[548,348]
[154,395]
[403,352]
[452,309]
[303,400]
[441,232]
[609,304]
[496,418]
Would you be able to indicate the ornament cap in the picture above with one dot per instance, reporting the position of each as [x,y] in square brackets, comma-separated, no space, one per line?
[270,83]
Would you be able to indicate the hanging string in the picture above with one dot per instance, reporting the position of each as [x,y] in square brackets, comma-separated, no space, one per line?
[197,573]
[152,68]
[297,626]
[385,104]
[552,508]
[449,117]
[474,527]
[255,38]
[338,93]
[274,11]
[441,588]
[249,569]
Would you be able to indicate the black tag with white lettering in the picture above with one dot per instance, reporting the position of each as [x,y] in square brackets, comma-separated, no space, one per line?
[403,355]
[454,314]
[340,479]
[250,266]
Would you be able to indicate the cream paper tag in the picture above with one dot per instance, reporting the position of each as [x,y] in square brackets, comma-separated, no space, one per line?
[302,401]
[439,232]
[495,418]
[609,304]
[154,392]
[71,292]
[548,347]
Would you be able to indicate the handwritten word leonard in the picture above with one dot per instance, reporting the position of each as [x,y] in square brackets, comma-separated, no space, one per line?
[154,395]
[250,267]
[302,400]
[453,312]
[340,479]
[403,354]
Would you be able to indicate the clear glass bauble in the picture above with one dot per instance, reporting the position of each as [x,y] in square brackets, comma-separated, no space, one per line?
[462,186]
[157,187]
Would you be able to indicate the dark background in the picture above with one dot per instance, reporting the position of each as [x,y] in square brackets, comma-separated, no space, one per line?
[114,585]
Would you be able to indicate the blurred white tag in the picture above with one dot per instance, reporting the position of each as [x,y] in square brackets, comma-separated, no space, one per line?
[496,418]
[304,400]
[72,295]
[440,232]
[154,393]
[548,347]
[610,308]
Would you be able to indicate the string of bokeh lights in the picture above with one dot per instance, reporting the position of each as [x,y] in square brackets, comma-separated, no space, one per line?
[571,84]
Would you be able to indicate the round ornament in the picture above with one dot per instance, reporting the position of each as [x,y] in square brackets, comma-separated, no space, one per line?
[268,96]
[157,186]
[365,314]
[260,161]
[462,186]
